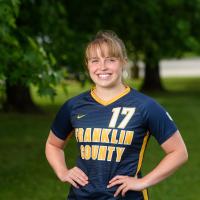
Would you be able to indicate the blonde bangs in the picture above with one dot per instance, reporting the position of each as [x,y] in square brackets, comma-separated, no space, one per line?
[107,48]
[107,44]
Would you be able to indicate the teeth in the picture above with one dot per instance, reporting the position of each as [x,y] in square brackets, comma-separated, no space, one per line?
[104,76]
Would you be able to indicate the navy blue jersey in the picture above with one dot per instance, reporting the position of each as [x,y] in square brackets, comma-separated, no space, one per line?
[112,137]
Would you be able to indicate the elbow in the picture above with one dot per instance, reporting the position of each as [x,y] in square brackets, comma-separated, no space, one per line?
[184,156]
[46,150]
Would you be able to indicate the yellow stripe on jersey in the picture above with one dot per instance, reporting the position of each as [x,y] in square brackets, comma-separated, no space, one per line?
[145,194]
[142,152]
[105,103]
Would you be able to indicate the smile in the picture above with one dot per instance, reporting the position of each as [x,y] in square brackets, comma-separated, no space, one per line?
[104,76]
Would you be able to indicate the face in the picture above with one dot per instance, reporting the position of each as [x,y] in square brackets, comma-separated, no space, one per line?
[105,70]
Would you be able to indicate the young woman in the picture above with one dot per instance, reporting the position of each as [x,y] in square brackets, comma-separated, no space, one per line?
[112,124]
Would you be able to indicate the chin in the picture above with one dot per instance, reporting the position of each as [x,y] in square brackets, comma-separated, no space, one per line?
[105,85]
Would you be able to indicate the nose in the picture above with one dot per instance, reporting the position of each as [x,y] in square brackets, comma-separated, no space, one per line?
[102,65]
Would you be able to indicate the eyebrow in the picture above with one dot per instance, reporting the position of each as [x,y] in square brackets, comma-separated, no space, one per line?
[91,58]
[98,57]
[108,57]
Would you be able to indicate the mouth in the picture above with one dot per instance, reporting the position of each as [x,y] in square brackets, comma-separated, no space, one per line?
[104,76]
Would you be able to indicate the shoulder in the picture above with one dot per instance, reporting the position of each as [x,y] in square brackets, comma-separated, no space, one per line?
[145,104]
[78,99]
[142,99]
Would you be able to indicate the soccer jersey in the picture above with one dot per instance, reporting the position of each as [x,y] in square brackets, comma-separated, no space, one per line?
[112,137]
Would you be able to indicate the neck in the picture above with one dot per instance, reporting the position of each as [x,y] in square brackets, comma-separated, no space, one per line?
[107,94]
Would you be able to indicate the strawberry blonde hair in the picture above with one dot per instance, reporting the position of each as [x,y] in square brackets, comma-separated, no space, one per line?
[115,46]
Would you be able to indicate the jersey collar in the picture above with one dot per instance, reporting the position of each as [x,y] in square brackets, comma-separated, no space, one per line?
[105,103]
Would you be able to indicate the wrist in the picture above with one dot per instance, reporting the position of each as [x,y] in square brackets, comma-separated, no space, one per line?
[61,174]
[145,182]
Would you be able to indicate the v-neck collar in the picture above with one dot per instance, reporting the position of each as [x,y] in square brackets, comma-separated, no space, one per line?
[106,103]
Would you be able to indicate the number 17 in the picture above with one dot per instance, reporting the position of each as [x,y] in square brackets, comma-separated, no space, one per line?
[128,112]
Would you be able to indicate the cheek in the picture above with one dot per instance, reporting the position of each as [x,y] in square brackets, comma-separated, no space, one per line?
[91,73]
[117,69]
[91,69]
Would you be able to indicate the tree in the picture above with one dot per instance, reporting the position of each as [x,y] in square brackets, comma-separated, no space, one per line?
[152,30]
[25,58]
[164,31]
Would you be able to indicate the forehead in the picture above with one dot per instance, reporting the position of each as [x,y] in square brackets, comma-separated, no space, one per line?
[98,50]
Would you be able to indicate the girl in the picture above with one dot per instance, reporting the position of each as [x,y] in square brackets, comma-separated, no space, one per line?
[112,124]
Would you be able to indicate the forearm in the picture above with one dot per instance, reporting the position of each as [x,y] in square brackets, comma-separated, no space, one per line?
[56,159]
[165,168]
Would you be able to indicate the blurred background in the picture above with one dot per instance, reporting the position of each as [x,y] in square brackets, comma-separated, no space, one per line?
[42,65]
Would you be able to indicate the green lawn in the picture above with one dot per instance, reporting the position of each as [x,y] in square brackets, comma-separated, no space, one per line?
[25,173]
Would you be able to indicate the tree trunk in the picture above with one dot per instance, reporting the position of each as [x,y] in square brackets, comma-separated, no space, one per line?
[152,80]
[18,99]
[135,67]
[135,71]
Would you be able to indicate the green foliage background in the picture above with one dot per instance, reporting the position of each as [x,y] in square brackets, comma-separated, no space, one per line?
[42,42]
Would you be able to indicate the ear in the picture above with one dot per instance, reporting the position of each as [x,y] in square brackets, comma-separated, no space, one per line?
[124,74]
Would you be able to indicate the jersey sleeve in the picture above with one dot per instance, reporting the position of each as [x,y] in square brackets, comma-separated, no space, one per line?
[61,125]
[159,122]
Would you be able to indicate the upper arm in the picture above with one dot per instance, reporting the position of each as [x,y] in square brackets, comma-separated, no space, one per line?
[55,141]
[175,143]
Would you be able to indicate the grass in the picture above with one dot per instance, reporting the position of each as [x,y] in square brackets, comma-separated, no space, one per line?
[183,102]
[25,173]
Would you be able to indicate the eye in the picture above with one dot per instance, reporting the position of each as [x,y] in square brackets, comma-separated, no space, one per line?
[94,61]
[111,59]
